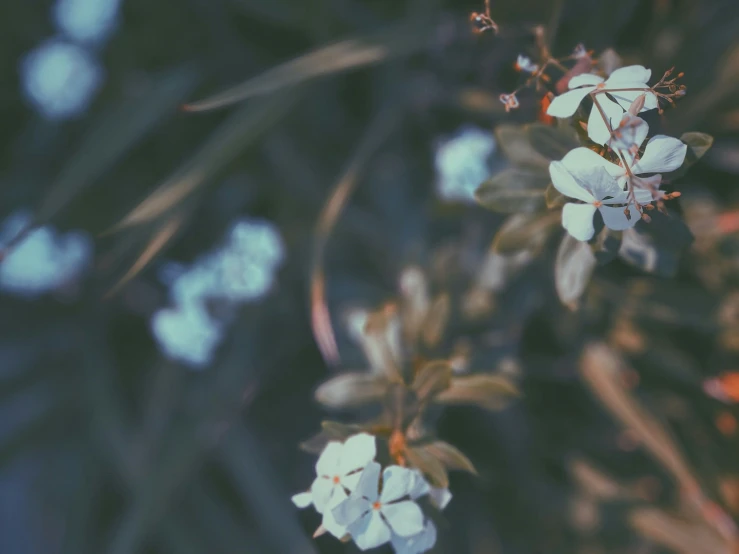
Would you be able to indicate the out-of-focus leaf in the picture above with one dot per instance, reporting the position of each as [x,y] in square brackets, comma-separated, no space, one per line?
[525,232]
[436,320]
[601,368]
[514,190]
[162,237]
[516,145]
[118,130]
[678,534]
[340,431]
[450,456]
[698,145]
[351,390]
[432,468]
[398,40]
[433,378]
[491,392]
[222,147]
[554,198]
[606,244]
[552,142]
[573,268]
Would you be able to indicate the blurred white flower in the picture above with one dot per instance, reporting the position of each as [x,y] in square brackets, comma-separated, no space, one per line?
[86,20]
[338,470]
[187,334]
[43,261]
[524,63]
[241,270]
[372,517]
[631,77]
[420,487]
[60,78]
[463,163]
[628,135]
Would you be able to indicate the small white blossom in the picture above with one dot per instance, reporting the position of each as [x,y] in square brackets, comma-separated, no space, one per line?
[631,77]
[372,518]
[523,63]
[338,470]
[462,163]
[599,191]
[43,261]
[86,20]
[60,78]
[187,334]
[586,176]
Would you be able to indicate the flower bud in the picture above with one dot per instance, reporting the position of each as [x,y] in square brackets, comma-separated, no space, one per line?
[637,104]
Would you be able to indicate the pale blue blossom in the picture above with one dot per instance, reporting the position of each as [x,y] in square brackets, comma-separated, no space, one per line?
[462,163]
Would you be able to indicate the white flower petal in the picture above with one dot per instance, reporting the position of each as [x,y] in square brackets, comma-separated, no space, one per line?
[369,482]
[565,183]
[643,196]
[566,104]
[626,97]
[616,219]
[601,183]
[328,462]
[416,544]
[597,129]
[629,74]
[440,497]
[396,483]
[662,153]
[582,157]
[370,531]
[329,521]
[350,481]
[350,510]
[584,79]
[321,490]
[303,499]
[419,486]
[578,220]
[358,451]
[404,518]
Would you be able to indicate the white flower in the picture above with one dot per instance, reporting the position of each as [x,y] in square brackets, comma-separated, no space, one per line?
[44,260]
[420,487]
[372,518]
[86,20]
[631,77]
[661,155]
[421,542]
[338,470]
[524,63]
[462,163]
[595,187]
[187,334]
[60,78]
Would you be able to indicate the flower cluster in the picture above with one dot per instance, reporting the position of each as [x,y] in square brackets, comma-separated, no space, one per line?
[360,501]
[622,190]
[241,271]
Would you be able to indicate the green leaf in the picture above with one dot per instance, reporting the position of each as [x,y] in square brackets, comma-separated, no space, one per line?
[554,198]
[525,232]
[605,245]
[340,431]
[516,145]
[450,456]
[485,391]
[433,378]
[514,190]
[573,268]
[351,390]
[397,40]
[436,320]
[552,142]
[429,465]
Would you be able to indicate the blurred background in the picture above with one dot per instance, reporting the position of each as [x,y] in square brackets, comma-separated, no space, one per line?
[157,362]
